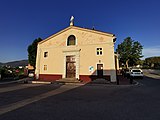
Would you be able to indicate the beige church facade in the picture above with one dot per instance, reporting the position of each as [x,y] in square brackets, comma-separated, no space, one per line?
[75,52]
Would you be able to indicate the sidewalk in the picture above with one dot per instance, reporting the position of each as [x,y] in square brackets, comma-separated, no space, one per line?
[9,81]
[122,81]
[152,75]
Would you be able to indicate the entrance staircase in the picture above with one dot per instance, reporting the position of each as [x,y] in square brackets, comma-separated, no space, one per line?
[68,80]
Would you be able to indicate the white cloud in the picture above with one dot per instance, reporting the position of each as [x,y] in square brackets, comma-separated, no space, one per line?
[151,51]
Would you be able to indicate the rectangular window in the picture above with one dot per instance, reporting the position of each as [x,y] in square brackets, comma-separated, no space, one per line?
[45,67]
[99,51]
[45,54]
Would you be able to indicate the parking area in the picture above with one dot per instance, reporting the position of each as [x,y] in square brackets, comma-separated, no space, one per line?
[82,102]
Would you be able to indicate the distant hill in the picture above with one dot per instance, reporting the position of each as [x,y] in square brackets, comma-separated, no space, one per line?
[1,64]
[16,63]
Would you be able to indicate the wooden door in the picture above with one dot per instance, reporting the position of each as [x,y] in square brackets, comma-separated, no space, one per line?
[70,67]
[100,70]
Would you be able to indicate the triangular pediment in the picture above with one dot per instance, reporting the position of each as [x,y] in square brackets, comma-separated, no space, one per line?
[80,29]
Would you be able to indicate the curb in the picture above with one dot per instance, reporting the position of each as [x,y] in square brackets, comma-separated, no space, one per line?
[24,80]
[100,84]
[10,82]
[39,82]
[69,83]
[135,83]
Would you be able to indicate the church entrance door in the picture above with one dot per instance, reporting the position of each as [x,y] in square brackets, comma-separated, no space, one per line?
[70,67]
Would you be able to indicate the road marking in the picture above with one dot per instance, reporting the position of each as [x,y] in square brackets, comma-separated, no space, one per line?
[17,87]
[11,107]
[138,83]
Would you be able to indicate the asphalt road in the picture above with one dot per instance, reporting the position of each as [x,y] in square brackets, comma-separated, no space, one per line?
[81,102]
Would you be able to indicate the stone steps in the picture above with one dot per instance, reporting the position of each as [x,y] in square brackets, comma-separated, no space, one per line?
[68,80]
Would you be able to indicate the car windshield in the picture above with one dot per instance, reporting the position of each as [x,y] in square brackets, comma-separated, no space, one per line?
[136,70]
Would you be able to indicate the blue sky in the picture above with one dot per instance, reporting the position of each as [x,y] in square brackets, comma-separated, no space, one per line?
[22,21]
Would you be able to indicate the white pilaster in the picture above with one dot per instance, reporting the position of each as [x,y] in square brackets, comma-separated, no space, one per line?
[37,71]
[77,65]
[113,70]
[64,68]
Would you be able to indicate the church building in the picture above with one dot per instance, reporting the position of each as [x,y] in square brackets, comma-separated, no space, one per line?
[78,53]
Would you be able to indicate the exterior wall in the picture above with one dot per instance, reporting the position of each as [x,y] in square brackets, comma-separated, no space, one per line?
[49,77]
[84,50]
[89,58]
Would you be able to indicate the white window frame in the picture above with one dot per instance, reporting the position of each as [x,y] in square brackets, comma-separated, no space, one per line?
[46,67]
[44,54]
[75,40]
[99,51]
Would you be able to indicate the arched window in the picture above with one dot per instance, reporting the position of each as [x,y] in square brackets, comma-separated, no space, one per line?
[71,40]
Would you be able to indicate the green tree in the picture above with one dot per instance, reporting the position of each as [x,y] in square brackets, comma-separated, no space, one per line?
[130,51]
[32,52]
[153,62]
[3,72]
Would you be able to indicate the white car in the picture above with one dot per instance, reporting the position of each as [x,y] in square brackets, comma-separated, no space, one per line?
[136,73]
[31,75]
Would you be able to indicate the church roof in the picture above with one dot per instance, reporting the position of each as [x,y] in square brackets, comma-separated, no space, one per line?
[79,28]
